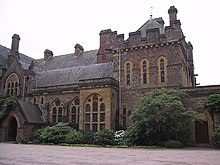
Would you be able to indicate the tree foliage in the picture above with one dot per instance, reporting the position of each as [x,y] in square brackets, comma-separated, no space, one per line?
[157,117]
[213,103]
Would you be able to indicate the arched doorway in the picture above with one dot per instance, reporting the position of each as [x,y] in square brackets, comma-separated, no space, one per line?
[12,129]
[203,129]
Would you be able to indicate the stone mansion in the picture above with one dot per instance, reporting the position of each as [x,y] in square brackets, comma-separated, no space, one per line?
[97,89]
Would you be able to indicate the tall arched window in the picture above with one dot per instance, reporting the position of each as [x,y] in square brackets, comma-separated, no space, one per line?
[144,71]
[12,85]
[94,113]
[162,69]
[128,72]
[56,111]
[74,111]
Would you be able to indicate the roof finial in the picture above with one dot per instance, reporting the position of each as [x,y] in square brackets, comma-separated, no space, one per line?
[151,11]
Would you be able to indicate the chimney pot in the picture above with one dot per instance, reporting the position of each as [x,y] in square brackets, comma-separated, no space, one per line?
[78,49]
[47,54]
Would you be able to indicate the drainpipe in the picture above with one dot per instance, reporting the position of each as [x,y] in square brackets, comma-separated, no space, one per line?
[23,88]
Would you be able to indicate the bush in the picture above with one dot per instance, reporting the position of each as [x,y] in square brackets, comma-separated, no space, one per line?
[173,144]
[73,137]
[183,134]
[88,138]
[216,138]
[59,133]
[104,137]
[119,140]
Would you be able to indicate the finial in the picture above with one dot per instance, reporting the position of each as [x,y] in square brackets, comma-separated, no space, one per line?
[151,11]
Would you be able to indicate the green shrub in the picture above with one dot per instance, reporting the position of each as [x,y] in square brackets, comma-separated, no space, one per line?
[183,134]
[73,137]
[104,137]
[88,138]
[173,144]
[59,133]
[216,138]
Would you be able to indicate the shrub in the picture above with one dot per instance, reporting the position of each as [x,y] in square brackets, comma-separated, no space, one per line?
[173,144]
[183,134]
[216,138]
[59,133]
[88,138]
[73,137]
[104,137]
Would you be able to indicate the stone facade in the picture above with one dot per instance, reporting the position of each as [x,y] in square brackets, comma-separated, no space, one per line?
[98,89]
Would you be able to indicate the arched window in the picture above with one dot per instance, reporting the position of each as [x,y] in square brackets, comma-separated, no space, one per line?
[94,113]
[12,85]
[74,111]
[144,71]
[56,111]
[162,69]
[128,72]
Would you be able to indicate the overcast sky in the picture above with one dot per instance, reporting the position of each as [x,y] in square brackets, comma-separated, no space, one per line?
[59,24]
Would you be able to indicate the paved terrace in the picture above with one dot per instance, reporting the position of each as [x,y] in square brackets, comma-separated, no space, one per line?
[19,154]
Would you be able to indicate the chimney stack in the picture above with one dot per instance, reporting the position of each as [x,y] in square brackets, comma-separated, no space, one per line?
[47,54]
[78,49]
[14,44]
[172,13]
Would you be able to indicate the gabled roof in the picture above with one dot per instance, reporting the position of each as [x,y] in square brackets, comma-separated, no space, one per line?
[32,112]
[4,55]
[152,23]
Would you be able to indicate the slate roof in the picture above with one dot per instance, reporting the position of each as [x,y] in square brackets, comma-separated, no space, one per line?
[152,23]
[4,54]
[65,69]
[32,112]
[72,75]
[68,60]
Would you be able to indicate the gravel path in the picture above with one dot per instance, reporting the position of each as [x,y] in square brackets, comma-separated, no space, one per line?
[19,154]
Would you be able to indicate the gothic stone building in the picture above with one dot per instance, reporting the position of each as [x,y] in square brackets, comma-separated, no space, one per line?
[96,89]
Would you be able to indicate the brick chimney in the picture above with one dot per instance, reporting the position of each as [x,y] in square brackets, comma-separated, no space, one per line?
[78,49]
[47,54]
[14,49]
[172,13]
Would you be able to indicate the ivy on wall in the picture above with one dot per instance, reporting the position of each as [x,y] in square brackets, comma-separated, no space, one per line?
[6,105]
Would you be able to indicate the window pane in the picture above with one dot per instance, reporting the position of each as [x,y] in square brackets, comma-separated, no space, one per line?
[60,110]
[145,78]
[162,76]
[59,118]
[102,117]
[102,107]
[87,117]
[95,106]
[95,117]
[124,111]
[87,108]
[57,102]
[87,127]
[94,127]
[73,110]
[54,119]
[74,118]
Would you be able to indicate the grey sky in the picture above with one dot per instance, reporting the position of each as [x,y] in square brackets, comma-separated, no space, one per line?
[59,24]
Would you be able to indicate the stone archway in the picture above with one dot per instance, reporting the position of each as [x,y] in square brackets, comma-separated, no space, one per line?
[12,129]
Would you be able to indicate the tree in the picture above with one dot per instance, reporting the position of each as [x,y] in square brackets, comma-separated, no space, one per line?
[212,104]
[157,117]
